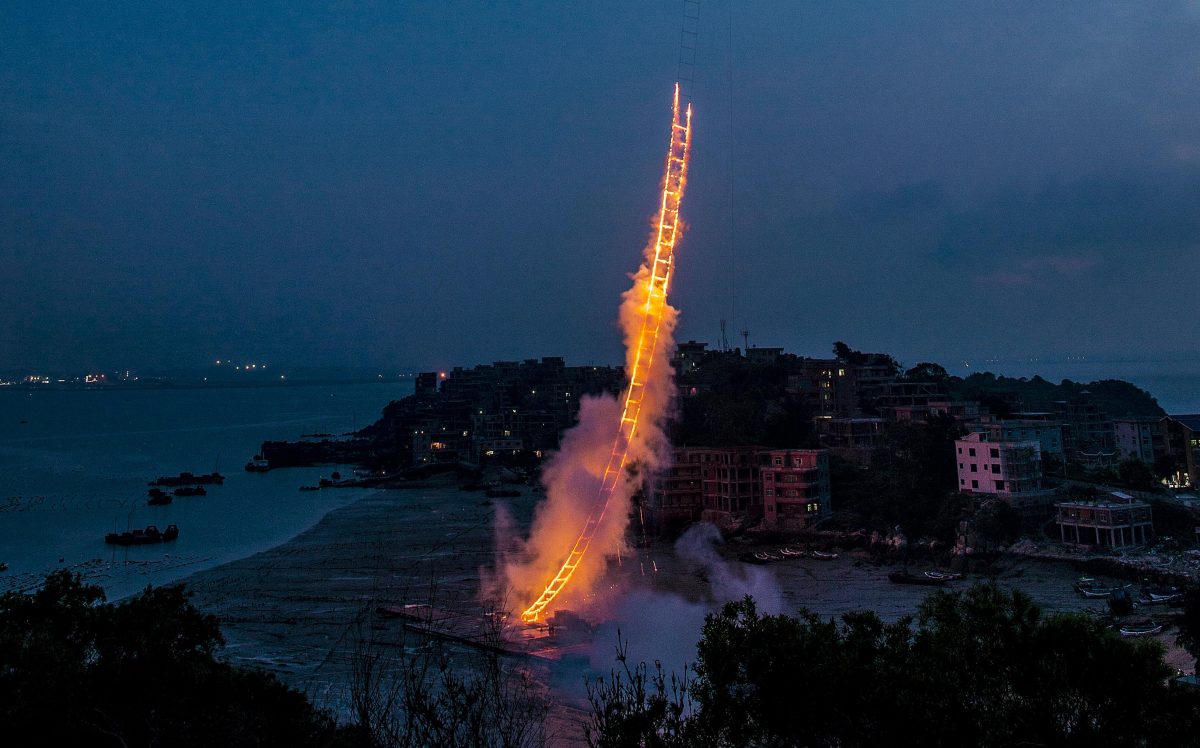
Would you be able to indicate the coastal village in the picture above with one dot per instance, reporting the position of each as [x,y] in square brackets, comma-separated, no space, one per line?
[758,434]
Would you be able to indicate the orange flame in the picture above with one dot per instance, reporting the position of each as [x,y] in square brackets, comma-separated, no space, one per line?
[653,286]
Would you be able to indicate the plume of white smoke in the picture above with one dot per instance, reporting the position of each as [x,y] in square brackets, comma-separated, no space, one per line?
[573,475]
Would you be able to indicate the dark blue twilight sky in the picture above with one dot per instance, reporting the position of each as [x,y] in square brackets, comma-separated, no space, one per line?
[400,183]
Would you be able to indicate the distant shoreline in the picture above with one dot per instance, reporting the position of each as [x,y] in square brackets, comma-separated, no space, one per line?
[158,386]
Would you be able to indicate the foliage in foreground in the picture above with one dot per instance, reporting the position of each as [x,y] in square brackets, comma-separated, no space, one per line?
[408,692]
[75,670]
[982,668]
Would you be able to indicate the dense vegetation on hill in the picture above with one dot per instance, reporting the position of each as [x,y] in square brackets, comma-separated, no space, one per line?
[980,668]
[911,481]
[1117,398]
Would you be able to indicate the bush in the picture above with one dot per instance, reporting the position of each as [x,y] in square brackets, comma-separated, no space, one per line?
[983,667]
[75,670]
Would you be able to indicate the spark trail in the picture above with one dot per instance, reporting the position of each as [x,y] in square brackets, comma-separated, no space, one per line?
[653,285]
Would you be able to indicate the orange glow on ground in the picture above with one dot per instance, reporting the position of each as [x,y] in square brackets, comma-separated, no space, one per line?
[653,286]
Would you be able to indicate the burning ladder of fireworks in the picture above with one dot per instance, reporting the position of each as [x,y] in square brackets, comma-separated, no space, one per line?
[652,313]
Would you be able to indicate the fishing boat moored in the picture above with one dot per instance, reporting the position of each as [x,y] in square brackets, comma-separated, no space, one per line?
[1149,628]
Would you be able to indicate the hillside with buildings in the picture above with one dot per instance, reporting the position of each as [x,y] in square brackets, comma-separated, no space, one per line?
[771,440]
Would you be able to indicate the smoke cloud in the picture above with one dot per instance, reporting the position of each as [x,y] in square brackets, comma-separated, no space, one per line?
[573,475]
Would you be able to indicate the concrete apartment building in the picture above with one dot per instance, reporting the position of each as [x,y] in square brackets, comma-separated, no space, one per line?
[795,487]
[1139,439]
[1011,471]
[1119,522]
[1048,434]
[720,484]
[1181,442]
[1087,432]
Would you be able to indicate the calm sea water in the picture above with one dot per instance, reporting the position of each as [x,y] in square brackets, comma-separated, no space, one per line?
[78,467]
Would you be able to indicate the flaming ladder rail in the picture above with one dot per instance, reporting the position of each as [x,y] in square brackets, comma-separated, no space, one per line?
[656,299]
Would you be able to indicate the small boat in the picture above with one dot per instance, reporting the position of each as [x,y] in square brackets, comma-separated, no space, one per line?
[190,491]
[3,566]
[947,576]
[903,577]
[766,557]
[823,555]
[257,465]
[188,479]
[159,498]
[753,558]
[1095,590]
[1141,629]
[148,536]
[791,553]
[1160,595]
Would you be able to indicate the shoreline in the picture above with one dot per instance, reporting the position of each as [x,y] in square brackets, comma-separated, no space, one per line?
[297,608]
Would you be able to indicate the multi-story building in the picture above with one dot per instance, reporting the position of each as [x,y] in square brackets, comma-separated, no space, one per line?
[1048,434]
[1011,471]
[908,401]
[1119,522]
[826,386]
[854,439]
[721,484]
[1181,443]
[503,407]
[795,488]
[1139,439]
[688,356]
[1087,431]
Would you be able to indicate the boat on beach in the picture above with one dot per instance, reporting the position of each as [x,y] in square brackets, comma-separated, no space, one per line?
[947,576]
[159,497]
[791,553]
[148,536]
[1160,595]
[823,555]
[1146,628]
[1096,590]
[258,465]
[904,577]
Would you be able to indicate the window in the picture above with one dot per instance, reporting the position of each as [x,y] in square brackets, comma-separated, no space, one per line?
[962,481]
[974,484]
[960,450]
[960,467]
[999,485]
[971,451]
[974,468]
[996,454]
[996,468]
